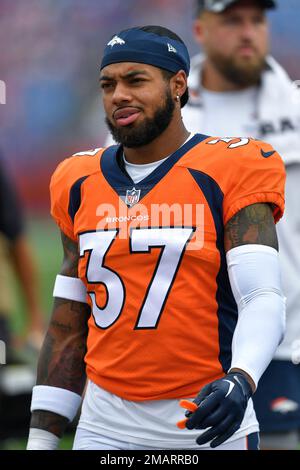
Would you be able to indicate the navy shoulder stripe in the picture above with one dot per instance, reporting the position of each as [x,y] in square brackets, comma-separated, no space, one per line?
[75,197]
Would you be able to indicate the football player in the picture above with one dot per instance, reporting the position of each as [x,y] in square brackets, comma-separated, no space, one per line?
[170,278]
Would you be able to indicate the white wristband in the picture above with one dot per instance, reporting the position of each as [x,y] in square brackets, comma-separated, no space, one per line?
[58,400]
[70,288]
[39,439]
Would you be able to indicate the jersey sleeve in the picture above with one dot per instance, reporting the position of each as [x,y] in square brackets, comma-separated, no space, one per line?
[257,175]
[62,181]
[59,195]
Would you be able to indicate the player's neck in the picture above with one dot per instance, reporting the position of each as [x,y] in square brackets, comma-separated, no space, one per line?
[166,144]
[213,80]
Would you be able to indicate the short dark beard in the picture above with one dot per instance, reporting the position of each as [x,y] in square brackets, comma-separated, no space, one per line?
[137,136]
[242,75]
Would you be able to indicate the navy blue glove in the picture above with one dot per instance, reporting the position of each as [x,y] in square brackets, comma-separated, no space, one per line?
[221,407]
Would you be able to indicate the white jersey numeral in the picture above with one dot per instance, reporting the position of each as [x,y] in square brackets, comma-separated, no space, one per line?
[90,153]
[98,244]
[172,241]
[240,143]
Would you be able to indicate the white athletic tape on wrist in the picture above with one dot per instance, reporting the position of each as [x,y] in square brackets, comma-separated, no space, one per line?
[70,288]
[254,274]
[39,439]
[55,399]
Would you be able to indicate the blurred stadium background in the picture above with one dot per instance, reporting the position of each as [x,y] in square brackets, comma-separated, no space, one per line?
[50,53]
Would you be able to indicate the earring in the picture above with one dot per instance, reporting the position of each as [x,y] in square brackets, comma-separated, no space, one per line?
[178,98]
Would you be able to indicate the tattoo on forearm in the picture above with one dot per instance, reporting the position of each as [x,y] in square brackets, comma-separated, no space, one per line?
[61,362]
[49,421]
[252,225]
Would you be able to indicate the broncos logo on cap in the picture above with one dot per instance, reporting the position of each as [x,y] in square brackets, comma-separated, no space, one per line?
[116,40]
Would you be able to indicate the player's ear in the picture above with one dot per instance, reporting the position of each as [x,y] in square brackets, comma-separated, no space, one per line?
[179,84]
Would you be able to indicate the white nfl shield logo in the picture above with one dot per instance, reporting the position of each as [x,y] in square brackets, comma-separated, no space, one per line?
[115,40]
[132,196]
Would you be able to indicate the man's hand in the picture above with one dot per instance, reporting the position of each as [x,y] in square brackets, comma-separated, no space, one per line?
[220,406]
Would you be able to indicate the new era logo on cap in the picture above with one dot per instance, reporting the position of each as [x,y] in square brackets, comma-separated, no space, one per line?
[116,40]
[171,48]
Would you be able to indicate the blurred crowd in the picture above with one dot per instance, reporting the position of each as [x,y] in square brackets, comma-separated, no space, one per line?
[49,61]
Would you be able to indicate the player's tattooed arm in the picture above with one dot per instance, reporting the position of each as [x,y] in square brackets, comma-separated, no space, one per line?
[252,225]
[61,361]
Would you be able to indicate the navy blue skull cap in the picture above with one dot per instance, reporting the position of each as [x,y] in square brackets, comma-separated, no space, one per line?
[145,47]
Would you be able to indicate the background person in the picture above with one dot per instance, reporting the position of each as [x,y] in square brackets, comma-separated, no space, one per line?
[237,88]
[15,255]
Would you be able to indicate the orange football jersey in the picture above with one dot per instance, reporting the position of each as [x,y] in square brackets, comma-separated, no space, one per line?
[153,261]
